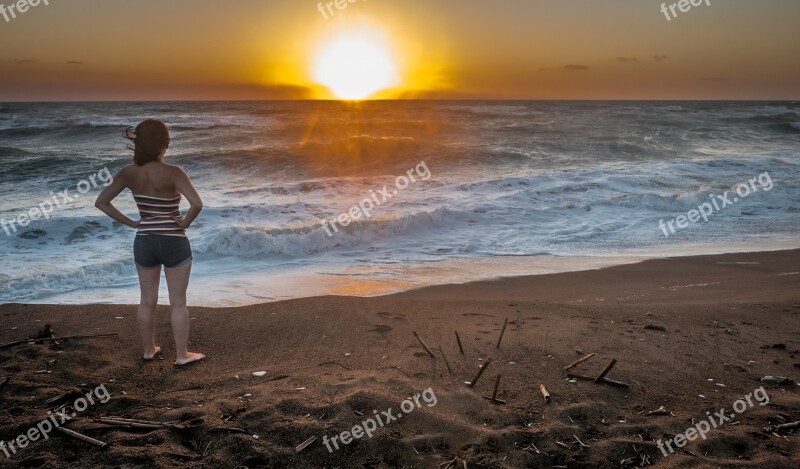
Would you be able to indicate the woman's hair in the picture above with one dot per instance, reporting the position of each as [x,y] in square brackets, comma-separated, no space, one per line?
[150,139]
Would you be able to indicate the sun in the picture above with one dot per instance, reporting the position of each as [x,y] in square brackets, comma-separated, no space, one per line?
[355,66]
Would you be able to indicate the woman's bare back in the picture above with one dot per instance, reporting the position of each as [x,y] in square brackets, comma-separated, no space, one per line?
[155,179]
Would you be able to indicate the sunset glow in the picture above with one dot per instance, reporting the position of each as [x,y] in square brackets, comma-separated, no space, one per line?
[355,67]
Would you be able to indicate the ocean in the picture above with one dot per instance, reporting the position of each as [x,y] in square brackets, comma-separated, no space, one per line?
[514,188]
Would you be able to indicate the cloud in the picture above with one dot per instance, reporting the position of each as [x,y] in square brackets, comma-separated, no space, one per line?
[74,62]
[627,59]
[713,78]
[576,67]
[24,61]
[659,58]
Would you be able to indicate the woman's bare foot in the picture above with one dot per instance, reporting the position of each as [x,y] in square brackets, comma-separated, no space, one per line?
[190,357]
[148,356]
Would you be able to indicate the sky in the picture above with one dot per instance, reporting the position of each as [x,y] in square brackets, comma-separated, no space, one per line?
[79,50]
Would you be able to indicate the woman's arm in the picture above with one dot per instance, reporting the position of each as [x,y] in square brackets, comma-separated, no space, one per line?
[108,194]
[184,185]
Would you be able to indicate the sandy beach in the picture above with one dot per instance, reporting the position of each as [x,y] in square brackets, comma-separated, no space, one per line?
[693,335]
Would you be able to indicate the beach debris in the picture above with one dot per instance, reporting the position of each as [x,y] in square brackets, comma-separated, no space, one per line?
[655,327]
[562,444]
[3,382]
[305,444]
[260,374]
[602,375]
[544,392]
[605,380]
[228,429]
[81,437]
[660,411]
[502,331]
[425,346]
[75,392]
[777,346]
[583,445]
[778,380]
[480,372]
[458,339]
[494,398]
[55,339]
[447,363]
[149,424]
[45,333]
[788,426]
[578,362]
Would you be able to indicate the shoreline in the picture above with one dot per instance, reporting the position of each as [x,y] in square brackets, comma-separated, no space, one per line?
[376,281]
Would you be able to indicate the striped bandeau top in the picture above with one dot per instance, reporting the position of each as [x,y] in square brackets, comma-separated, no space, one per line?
[157,213]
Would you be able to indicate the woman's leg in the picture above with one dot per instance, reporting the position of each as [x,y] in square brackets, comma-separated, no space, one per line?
[177,282]
[148,284]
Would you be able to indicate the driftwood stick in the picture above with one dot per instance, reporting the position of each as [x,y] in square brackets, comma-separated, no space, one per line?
[494,398]
[3,382]
[460,348]
[305,444]
[578,362]
[134,423]
[120,419]
[81,437]
[605,380]
[228,429]
[545,394]
[421,342]
[496,387]
[114,423]
[450,370]
[502,331]
[787,426]
[605,372]
[480,372]
[52,339]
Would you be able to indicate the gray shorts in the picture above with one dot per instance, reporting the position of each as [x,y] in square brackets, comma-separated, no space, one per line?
[153,250]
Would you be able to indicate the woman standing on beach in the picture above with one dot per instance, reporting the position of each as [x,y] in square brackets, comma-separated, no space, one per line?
[161,238]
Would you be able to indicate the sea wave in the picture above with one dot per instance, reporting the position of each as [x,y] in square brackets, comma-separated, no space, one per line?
[43,284]
[255,242]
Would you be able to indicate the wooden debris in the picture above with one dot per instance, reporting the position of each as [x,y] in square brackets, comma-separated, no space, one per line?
[787,426]
[81,437]
[660,411]
[580,442]
[563,445]
[228,429]
[502,331]
[602,375]
[480,372]
[3,382]
[70,393]
[494,398]
[53,339]
[460,348]
[450,370]
[421,342]
[148,424]
[545,394]
[605,380]
[578,362]
[305,444]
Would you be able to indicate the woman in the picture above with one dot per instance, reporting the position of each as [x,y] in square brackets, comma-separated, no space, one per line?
[161,238]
